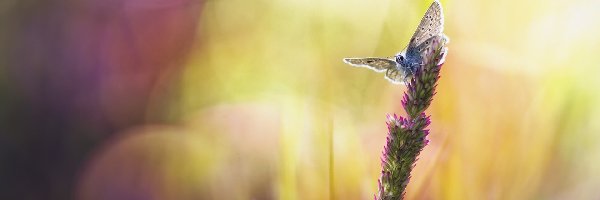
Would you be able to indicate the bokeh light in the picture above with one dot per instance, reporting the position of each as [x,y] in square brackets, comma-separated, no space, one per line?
[236,99]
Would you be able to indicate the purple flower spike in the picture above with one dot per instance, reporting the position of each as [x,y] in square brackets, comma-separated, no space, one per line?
[407,136]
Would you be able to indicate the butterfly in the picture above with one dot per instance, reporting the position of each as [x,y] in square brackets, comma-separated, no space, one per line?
[425,41]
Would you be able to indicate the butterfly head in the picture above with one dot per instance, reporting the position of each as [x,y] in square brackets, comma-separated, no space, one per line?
[407,64]
[401,58]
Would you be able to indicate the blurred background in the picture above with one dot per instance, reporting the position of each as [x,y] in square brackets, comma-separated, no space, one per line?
[237,99]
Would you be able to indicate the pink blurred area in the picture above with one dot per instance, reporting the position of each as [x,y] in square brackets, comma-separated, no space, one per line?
[198,160]
[104,58]
[76,72]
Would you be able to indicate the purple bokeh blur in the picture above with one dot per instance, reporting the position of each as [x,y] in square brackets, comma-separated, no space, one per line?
[73,73]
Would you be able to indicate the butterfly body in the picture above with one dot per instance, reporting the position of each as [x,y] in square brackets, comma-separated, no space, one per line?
[408,62]
[428,36]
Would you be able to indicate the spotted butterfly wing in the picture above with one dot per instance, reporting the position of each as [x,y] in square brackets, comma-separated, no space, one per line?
[431,25]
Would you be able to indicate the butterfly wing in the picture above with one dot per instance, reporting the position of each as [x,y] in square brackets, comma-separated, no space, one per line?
[386,65]
[431,25]
[375,64]
[395,76]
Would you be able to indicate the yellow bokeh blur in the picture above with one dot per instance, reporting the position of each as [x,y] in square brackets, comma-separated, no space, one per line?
[514,116]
